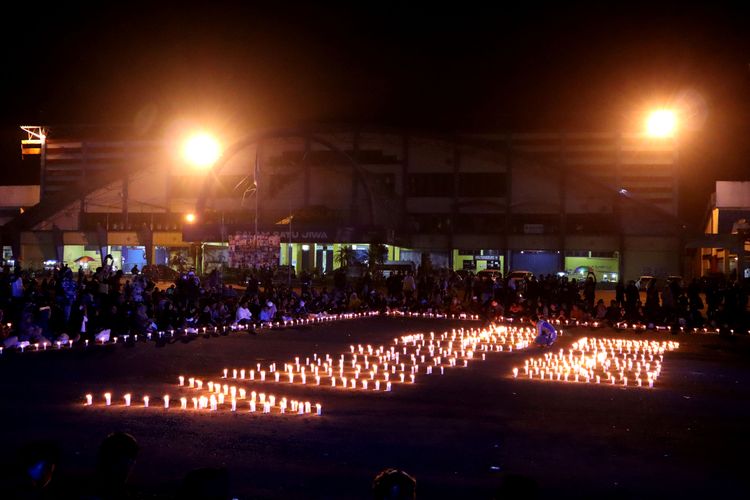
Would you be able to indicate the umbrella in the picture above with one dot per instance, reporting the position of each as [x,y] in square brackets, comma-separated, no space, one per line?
[84,260]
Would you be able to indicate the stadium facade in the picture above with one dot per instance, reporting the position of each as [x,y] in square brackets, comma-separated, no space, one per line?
[544,202]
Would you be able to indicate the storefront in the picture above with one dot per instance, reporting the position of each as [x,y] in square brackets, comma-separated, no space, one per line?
[477,260]
[603,266]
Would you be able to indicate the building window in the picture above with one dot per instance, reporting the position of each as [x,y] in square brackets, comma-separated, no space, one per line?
[430,185]
[481,185]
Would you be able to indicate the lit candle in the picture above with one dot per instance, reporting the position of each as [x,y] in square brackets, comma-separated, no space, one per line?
[145,401]
[89,400]
[234,404]
[166,401]
[127,399]
[191,382]
[181,380]
[107,398]
[319,409]
[183,403]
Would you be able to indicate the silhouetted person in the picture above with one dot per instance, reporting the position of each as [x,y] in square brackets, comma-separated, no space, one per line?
[393,484]
[115,463]
[32,477]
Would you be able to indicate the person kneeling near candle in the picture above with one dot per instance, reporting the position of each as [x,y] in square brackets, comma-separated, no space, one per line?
[546,333]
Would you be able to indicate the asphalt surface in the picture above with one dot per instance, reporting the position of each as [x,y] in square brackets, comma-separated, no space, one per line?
[461,434]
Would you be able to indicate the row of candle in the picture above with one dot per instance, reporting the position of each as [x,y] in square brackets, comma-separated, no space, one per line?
[429,315]
[44,344]
[212,403]
[590,360]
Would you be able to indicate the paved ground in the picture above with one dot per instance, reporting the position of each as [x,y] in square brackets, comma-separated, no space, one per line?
[460,434]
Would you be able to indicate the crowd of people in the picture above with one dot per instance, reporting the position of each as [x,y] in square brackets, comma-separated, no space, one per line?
[35,473]
[66,305]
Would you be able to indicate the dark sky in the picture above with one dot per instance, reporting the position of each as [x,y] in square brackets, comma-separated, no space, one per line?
[581,66]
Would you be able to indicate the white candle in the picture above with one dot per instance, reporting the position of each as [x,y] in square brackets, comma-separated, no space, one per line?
[89,399]
[127,399]
[387,387]
[252,406]
[145,401]
[107,398]
[234,404]
[195,403]
[181,380]
[191,382]
[183,403]
[319,409]
[243,393]
[166,401]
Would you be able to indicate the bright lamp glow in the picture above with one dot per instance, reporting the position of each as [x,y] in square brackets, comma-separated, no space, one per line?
[201,150]
[661,123]
[190,218]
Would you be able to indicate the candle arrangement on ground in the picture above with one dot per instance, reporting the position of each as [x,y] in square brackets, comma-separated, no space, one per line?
[214,401]
[362,367]
[381,368]
[616,362]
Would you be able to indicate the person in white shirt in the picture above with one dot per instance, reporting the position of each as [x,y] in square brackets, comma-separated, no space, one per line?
[243,315]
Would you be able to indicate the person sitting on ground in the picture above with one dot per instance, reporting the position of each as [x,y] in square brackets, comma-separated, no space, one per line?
[393,484]
[243,315]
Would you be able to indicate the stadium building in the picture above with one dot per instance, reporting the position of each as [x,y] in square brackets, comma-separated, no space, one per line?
[544,202]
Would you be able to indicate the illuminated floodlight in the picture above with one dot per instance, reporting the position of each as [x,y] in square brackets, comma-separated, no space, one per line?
[201,150]
[661,123]
[190,218]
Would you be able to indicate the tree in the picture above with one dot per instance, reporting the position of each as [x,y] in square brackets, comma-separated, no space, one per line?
[345,256]
[376,254]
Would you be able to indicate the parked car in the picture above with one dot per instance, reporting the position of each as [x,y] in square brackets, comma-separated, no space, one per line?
[492,274]
[676,279]
[518,278]
[644,282]
[390,267]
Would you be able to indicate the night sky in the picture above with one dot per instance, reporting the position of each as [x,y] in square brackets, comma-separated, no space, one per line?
[583,66]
